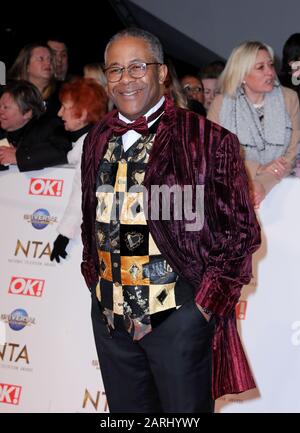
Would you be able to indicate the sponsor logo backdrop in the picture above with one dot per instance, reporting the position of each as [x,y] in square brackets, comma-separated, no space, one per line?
[48,361]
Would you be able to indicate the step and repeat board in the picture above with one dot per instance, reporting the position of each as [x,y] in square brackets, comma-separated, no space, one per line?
[48,360]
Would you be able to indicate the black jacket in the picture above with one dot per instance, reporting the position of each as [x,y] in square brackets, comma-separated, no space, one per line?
[40,143]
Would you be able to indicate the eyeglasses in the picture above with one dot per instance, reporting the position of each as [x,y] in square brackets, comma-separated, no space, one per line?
[42,58]
[189,89]
[135,70]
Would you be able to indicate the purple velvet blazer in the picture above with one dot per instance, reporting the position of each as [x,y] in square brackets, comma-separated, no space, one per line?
[217,259]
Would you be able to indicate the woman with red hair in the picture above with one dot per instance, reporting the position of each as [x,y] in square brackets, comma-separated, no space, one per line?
[83,103]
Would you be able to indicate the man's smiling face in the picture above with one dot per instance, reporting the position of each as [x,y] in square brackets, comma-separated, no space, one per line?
[134,96]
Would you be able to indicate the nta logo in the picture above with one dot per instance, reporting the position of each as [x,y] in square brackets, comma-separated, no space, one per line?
[46,187]
[95,401]
[36,249]
[26,286]
[9,353]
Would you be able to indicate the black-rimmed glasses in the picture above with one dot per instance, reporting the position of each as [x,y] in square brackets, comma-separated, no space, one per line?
[135,70]
[192,89]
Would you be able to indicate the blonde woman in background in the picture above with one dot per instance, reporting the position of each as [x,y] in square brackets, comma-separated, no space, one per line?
[263,114]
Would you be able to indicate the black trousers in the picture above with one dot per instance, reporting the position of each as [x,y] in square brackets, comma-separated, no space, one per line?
[167,371]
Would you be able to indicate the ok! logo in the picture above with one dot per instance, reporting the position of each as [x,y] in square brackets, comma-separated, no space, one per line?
[10,394]
[26,286]
[46,187]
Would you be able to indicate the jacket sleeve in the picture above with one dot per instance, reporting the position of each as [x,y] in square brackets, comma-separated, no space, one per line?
[89,265]
[268,180]
[232,232]
[292,107]
[45,145]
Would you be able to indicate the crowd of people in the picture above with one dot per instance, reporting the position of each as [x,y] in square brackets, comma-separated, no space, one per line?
[34,137]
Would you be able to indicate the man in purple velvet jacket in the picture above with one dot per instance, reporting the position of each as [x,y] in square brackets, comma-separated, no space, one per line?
[164,285]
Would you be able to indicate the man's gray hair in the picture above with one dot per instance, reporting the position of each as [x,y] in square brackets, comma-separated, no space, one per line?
[153,42]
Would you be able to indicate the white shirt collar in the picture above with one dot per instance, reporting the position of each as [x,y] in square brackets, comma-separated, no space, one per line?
[152,110]
[130,137]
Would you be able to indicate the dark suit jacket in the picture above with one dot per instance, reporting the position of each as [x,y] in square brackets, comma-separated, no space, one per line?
[190,150]
[40,143]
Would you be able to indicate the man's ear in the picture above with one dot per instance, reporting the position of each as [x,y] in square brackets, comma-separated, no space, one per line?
[162,74]
[28,115]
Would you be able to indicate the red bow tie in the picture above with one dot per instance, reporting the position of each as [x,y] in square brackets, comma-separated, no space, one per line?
[140,125]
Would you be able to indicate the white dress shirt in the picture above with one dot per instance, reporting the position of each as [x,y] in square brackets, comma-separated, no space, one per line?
[130,137]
